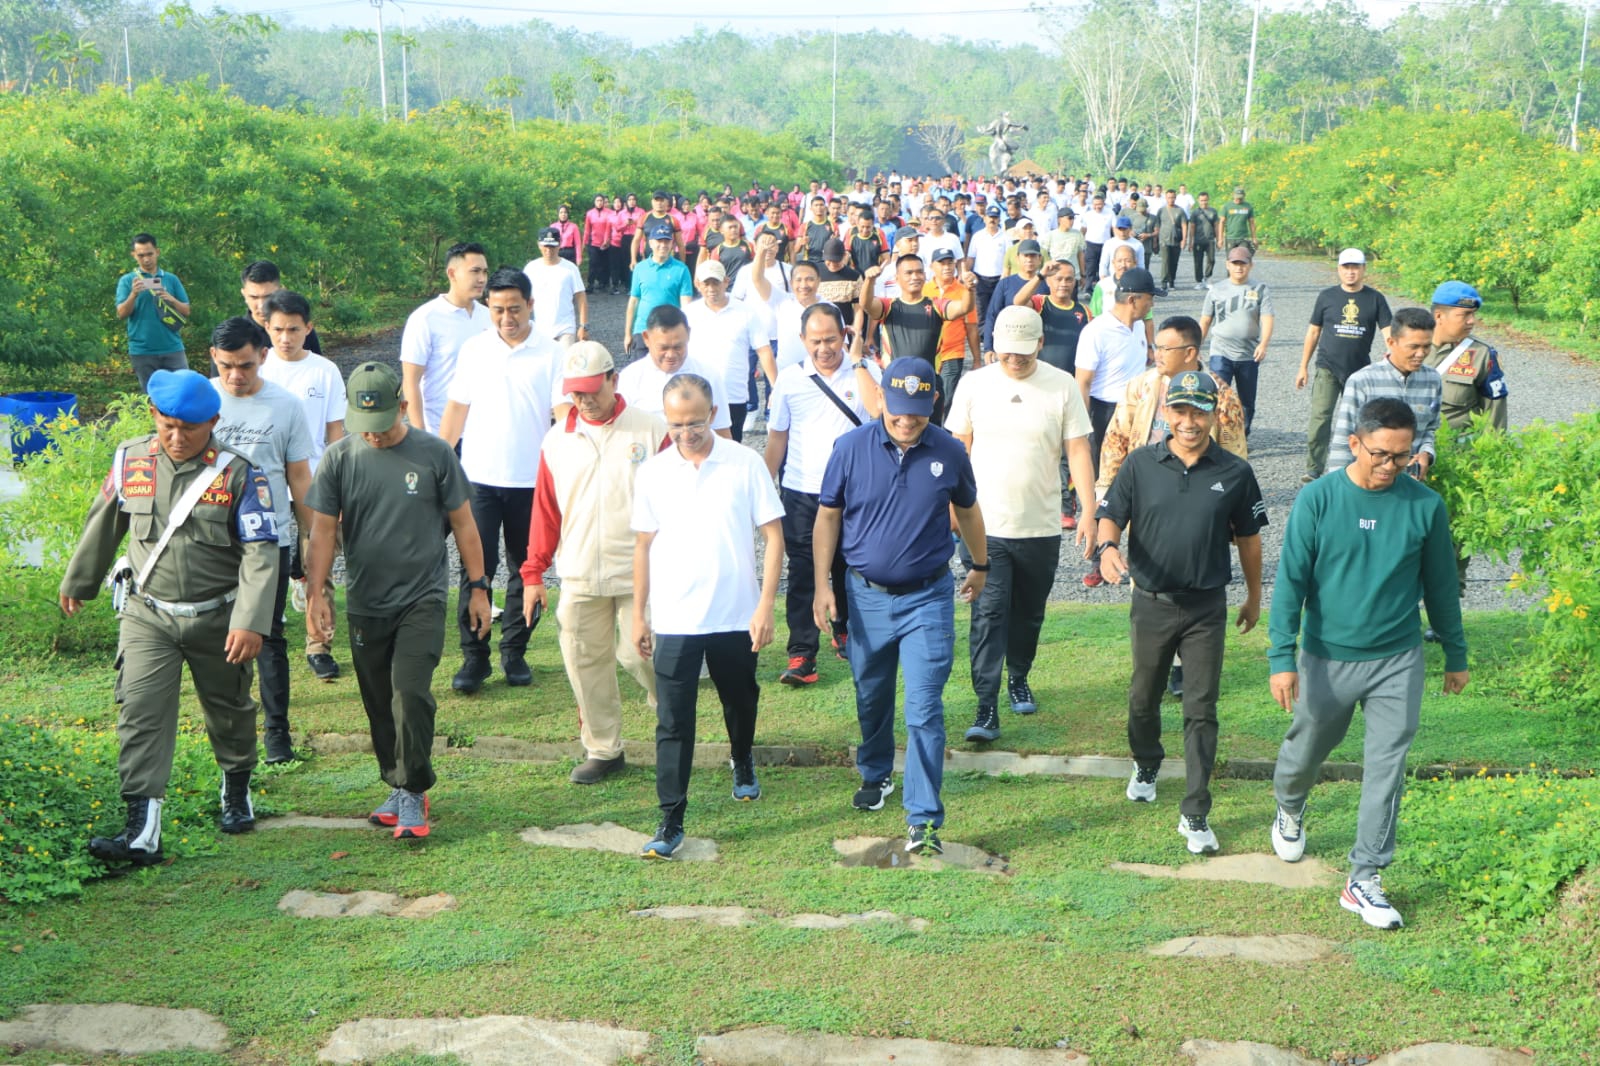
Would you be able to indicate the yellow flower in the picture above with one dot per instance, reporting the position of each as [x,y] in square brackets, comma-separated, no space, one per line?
[1561,489]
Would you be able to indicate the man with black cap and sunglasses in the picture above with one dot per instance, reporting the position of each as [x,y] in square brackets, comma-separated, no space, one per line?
[560,303]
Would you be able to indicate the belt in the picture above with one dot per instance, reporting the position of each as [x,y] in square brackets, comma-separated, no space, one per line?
[188,610]
[1186,596]
[900,590]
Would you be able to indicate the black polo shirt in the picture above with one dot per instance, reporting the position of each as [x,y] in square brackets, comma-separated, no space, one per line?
[1180,520]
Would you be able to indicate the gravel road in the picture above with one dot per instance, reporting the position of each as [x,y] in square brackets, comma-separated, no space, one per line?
[1545,383]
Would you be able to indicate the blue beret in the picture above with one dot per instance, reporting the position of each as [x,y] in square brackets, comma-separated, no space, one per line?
[1456,294]
[184,395]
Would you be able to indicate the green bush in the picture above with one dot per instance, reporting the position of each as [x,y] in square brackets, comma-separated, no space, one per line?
[350,208]
[1536,491]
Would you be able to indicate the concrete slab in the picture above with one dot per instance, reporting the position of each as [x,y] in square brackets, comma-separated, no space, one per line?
[1247,1053]
[358,744]
[609,836]
[1009,762]
[1252,868]
[1242,1053]
[1453,1055]
[889,853]
[1289,949]
[314,821]
[733,917]
[769,1046]
[113,1029]
[493,1040]
[706,756]
[303,904]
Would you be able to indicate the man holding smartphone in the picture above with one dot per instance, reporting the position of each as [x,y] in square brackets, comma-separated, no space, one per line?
[153,305]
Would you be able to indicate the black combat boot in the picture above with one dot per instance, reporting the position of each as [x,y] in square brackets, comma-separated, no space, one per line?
[139,842]
[238,814]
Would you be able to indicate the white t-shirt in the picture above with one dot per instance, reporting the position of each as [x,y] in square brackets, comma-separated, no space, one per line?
[1112,245]
[930,244]
[812,420]
[780,284]
[1018,429]
[988,251]
[269,429]
[722,340]
[509,392]
[703,557]
[554,286]
[641,383]
[432,339]
[1096,225]
[316,383]
[1115,353]
[1044,218]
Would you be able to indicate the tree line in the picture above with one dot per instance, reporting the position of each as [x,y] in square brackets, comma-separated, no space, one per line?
[1099,86]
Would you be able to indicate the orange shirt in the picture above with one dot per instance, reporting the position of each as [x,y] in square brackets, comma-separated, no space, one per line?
[953,335]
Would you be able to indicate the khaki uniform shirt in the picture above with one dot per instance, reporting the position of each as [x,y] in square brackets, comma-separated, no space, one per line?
[1472,382]
[229,541]
[1135,416]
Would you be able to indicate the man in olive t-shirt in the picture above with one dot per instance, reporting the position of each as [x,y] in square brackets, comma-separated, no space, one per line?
[396,493]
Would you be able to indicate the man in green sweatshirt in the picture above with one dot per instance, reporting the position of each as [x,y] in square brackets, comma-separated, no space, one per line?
[1359,544]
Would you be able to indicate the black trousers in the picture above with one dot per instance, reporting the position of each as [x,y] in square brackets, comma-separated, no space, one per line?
[1205,261]
[1171,255]
[799,517]
[1100,412]
[1091,265]
[1009,614]
[394,657]
[273,662]
[599,268]
[497,510]
[732,666]
[1193,625]
[986,287]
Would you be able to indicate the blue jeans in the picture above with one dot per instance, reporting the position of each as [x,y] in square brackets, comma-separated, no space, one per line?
[1242,375]
[922,624]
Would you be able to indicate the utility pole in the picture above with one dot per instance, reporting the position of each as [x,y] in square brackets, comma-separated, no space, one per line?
[1583,54]
[1250,74]
[127,60]
[833,135]
[1194,92]
[405,73]
[383,81]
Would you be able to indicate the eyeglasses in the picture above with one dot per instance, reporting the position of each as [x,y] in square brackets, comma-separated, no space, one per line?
[1176,347]
[1385,458]
[679,428]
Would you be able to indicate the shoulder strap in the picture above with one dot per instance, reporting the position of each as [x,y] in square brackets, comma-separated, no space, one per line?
[816,379]
[180,514]
[116,469]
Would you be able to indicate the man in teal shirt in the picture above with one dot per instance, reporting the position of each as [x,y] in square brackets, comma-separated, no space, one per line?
[154,306]
[1359,544]
[661,279]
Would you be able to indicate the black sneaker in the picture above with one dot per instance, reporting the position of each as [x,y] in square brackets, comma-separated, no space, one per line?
[470,678]
[986,726]
[870,797]
[323,666]
[279,749]
[745,785]
[515,667]
[1022,701]
[1175,681]
[924,839]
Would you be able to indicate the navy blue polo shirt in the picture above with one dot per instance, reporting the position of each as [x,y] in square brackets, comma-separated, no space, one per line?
[896,507]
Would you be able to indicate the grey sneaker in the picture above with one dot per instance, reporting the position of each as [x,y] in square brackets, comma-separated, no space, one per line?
[412,819]
[387,812]
[1289,835]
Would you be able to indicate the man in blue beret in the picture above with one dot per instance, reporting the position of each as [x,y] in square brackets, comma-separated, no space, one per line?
[195,587]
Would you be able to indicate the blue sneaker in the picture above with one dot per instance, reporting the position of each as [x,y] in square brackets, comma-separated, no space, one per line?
[668,839]
[1022,701]
[745,785]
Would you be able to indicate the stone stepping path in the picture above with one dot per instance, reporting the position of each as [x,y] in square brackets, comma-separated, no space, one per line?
[494,1040]
[889,853]
[1252,868]
[113,1029]
[768,1046]
[1248,1053]
[314,821]
[733,917]
[609,836]
[1290,949]
[303,904]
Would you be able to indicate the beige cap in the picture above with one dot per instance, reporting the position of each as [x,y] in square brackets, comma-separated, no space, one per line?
[1018,331]
[710,269]
[585,367]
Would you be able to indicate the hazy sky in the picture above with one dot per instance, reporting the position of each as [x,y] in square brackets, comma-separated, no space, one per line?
[1003,21]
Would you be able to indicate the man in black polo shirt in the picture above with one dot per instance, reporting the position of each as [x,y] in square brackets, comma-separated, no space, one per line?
[887,494]
[1186,499]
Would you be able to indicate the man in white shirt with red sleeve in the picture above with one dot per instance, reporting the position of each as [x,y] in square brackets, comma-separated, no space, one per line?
[583,505]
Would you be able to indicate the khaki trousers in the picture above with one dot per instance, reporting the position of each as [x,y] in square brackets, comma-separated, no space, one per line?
[596,637]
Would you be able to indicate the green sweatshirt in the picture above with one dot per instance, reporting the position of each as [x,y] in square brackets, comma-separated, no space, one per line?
[1355,561]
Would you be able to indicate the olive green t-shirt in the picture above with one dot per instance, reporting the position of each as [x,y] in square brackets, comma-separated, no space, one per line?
[393,505]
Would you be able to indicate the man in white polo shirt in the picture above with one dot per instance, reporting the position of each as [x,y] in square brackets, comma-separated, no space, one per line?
[814,403]
[499,411]
[722,334]
[560,302]
[1017,416]
[696,599]
[436,331]
[666,341]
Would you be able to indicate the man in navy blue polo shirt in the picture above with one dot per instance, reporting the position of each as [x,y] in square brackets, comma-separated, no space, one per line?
[886,498]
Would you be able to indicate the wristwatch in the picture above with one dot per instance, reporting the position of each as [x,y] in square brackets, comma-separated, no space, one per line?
[982,568]
[479,583]
[1101,548]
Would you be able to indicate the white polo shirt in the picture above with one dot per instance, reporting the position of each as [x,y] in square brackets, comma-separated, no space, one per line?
[1115,353]
[554,286]
[988,251]
[432,339]
[1018,430]
[641,383]
[510,391]
[791,348]
[812,421]
[703,558]
[723,340]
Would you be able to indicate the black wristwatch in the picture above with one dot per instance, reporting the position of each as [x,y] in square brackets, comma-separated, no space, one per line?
[982,568]
[479,583]
[1100,549]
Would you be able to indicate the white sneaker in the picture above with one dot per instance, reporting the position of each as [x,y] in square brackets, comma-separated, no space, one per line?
[1366,898]
[1197,831]
[752,422]
[1289,835]
[1200,286]
[297,594]
[1142,785]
